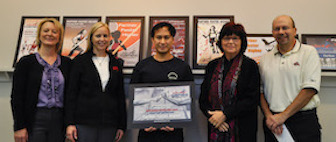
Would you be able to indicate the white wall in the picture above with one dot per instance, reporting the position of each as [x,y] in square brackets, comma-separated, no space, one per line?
[311,16]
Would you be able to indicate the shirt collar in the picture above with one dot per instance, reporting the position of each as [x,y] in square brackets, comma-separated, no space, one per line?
[45,64]
[296,48]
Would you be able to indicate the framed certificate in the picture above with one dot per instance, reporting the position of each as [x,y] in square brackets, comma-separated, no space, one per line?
[326,47]
[206,33]
[160,104]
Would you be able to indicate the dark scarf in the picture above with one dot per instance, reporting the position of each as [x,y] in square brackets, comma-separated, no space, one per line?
[223,94]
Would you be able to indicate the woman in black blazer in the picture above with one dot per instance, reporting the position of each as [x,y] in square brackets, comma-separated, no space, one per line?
[95,104]
[39,81]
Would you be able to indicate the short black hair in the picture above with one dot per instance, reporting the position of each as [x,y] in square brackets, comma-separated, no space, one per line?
[230,29]
[158,26]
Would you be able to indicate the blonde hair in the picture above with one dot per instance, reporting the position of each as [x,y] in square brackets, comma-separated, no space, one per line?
[58,26]
[94,28]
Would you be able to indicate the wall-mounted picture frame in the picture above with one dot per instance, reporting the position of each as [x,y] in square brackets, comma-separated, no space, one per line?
[325,45]
[28,31]
[126,38]
[181,40]
[206,32]
[161,104]
[258,45]
[76,30]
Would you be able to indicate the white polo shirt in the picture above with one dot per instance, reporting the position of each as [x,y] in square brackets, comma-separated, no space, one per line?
[284,76]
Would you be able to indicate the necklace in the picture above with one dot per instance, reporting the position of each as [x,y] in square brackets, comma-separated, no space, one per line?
[101,60]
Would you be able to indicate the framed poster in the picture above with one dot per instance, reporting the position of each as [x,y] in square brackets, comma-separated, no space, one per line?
[76,30]
[325,45]
[181,39]
[206,32]
[160,104]
[258,45]
[28,31]
[127,38]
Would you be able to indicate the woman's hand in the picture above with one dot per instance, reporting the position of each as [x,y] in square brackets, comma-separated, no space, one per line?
[217,118]
[71,133]
[21,135]
[224,127]
[119,135]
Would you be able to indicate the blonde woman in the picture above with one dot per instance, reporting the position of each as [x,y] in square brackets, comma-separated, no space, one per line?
[39,82]
[95,104]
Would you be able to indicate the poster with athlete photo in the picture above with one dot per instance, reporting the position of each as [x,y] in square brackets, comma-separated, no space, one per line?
[181,42]
[76,30]
[325,45]
[28,32]
[126,38]
[206,32]
[258,45]
[161,104]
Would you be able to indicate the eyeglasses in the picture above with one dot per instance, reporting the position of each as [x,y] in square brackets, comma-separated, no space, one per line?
[234,39]
[284,28]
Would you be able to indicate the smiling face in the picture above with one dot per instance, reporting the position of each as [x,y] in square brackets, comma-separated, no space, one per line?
[163,41]
[49,35]
[100,39]
[231,45]
[284,31]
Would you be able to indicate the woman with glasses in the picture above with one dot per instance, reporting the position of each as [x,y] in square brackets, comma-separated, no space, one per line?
[230,90]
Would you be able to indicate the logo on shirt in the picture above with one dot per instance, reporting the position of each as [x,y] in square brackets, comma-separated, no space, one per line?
[172,76]
[115,68]
[296,64]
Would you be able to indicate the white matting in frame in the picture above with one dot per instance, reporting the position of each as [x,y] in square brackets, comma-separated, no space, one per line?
[161,104]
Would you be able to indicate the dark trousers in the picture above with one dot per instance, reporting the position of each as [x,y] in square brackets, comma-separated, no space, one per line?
[95,134]
[303,126]
[161,136]
[48,126]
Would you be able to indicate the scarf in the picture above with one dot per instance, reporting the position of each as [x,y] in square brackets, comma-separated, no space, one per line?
[223,94]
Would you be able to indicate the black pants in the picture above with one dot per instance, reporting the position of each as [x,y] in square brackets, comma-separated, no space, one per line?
[161,136]
[48,126]
[88,133]
[303,126]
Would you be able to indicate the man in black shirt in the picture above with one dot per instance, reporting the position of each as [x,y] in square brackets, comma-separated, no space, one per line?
[162,67]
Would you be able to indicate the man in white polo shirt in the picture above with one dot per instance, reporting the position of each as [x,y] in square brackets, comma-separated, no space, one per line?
[291,76]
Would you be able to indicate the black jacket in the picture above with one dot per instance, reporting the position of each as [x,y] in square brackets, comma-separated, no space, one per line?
[86,103]
[26,86]
[248,94]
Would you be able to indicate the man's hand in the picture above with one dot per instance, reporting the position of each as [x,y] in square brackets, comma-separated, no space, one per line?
[150,129]
[275,122]
[167,129]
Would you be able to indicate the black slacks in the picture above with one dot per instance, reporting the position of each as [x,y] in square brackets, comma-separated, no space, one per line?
[48,126]
[303,126]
